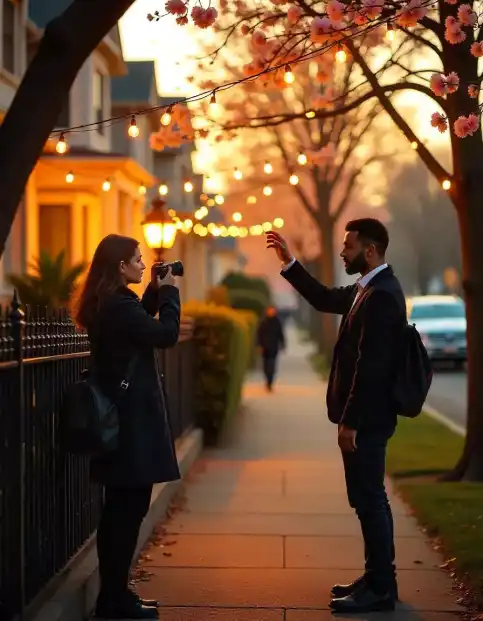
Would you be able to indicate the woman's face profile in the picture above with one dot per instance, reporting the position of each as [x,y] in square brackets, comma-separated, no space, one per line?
[132,271]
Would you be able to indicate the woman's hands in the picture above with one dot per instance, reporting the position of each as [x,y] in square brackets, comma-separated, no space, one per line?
[157,282]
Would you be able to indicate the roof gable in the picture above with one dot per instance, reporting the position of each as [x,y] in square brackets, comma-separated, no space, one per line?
[137,86]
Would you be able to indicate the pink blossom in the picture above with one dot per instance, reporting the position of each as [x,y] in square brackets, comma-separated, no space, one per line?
[411,13]
[335,10]
[320,29]
[451,1]
[372,8]
[453,33]
[204,18]
[473,91]
[322,76]
[466,15]
[182,20]
[294,14]
[245,29]
[477,49]
[258,39]
[175,7]
[437,84]
[439,121]
[466,125]
[452,82]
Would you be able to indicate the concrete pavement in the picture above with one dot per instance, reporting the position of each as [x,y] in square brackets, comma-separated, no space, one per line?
[264,530]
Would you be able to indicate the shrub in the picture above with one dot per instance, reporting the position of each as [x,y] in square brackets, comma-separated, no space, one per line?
[222,336]
[218,295]
[245,299]
[238,280]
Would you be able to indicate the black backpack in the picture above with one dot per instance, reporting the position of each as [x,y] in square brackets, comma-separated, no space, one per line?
[414,374]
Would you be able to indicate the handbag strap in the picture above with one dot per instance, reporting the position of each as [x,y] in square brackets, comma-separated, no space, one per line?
[124,385]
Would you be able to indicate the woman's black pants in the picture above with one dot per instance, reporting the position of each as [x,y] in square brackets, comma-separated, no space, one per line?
[117,535]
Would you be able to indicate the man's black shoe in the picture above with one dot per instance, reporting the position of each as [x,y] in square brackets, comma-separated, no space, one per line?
[362,600]
[125,610]
[150,603]
[342,590]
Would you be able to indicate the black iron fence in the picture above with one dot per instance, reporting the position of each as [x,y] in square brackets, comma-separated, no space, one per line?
[48,507]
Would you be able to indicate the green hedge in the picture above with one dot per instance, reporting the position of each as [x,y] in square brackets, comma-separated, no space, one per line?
[245,299]
[239,281]
[224,339]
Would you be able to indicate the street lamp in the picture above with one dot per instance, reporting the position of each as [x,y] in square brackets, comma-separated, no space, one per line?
[159,229]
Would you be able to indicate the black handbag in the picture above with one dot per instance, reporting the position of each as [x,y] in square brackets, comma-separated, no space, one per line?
[89,419]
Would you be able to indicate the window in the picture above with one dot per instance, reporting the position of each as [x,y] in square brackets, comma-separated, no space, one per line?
[451,310]
[98,99]
[8,33]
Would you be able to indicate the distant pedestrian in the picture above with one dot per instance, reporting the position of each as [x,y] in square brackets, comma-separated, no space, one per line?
[271,339]
[360,394]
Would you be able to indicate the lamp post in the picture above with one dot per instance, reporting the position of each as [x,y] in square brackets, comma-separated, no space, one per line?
[159,229]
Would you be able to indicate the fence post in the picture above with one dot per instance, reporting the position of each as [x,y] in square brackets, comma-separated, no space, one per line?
[17,320]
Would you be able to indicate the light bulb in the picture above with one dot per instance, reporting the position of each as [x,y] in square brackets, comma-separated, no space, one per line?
[414,145]
[294,179]
[341,55]
[106,186]
[288,77]
[142,190]
[213,107]
[133,130]
[446,184]
[268,168]
[219,199]
[163,189]
[237,217]
[278,223]
[238,174]
[188,186]
[166,117]
[251,200]
[302,159]
[61,146]
[267,226]
[267,190]
[390,32]
[69,178]
[209,183]
[310,114]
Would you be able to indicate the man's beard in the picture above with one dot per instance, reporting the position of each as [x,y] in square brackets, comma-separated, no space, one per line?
[358,265]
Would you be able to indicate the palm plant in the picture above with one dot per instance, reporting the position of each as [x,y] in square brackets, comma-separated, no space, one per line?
[51,282]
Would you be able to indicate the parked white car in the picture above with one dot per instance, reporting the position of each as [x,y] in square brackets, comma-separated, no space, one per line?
[441,321]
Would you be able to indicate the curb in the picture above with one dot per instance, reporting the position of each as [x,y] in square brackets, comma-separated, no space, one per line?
[444,420]
[75,597]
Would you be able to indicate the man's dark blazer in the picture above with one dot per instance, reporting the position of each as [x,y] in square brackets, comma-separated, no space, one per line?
[360,389]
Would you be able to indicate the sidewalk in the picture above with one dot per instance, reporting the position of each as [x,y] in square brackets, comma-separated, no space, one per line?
[266,529]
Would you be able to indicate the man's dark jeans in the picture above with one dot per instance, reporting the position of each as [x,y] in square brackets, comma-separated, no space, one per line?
[364,475]
[269,369]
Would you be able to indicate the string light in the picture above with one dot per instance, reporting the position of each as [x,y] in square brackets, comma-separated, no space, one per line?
[188,186]
[210,202]
[302,159]
[414,145]
[166,117]
[219,199]
[238,174]
[209,183]
[133,130]
[390,32]
[446,184]
[69,178]
[213,106]
[61,147]
[310,114]
[294,179]
[142,190]
[278,223]
[340,55]
[106,186]
[267,190]
[267,226]
[268,168]
[288,77]
[237,217]
[251,200]
[163,189]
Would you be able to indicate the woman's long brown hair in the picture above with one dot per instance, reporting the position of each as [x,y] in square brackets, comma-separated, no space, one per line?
[103,277]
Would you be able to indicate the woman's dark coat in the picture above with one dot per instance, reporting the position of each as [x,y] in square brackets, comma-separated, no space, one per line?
[126,326]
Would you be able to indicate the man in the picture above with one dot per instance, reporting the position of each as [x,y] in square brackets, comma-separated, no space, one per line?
[270,340]
[359,394]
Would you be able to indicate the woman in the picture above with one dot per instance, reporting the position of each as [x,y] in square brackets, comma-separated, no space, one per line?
[121,329]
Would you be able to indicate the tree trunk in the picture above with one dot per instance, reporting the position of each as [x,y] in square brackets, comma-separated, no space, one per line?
[68,41]
[470,217]
[326,275]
